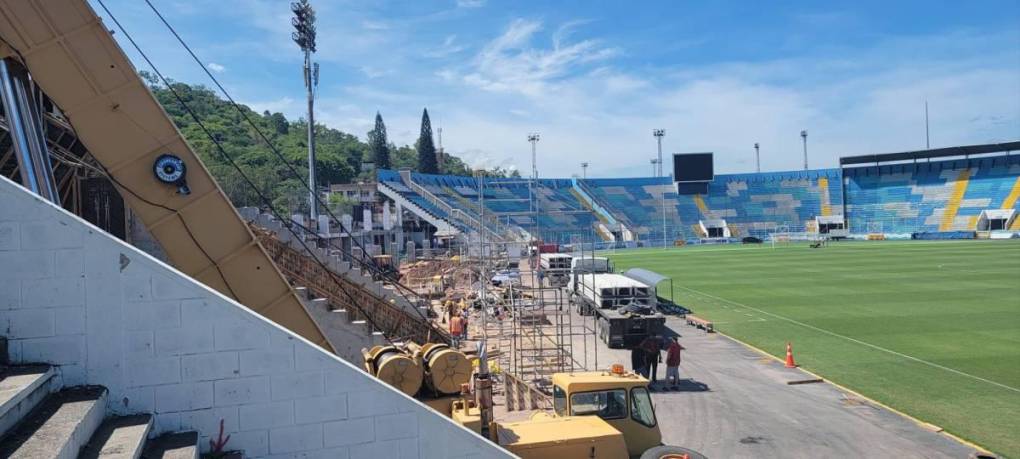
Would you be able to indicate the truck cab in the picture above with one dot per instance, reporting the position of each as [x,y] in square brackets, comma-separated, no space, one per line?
[602,414]
[619,398]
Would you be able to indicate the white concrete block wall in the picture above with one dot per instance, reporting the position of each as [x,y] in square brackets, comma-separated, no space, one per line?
[106,313]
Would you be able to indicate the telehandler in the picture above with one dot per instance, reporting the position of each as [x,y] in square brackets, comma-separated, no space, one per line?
[601,414]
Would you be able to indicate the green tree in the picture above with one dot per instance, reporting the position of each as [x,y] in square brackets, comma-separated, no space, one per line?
[277,177]
[378,144]
[427,162]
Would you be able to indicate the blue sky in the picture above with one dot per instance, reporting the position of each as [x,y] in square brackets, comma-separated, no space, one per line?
[594,78]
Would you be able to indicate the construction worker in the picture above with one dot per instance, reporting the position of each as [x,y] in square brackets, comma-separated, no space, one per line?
[457,326]
[673,363]
[652,346]
[637,360]
[449,310]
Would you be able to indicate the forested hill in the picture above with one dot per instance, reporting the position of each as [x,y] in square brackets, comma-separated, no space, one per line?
[338,154]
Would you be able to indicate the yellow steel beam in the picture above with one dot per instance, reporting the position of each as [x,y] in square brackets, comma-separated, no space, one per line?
[74,59]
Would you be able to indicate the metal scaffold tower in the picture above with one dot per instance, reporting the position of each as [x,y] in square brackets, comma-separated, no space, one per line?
[528,323]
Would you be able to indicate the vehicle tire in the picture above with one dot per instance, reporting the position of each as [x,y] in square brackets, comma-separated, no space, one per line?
[671,452]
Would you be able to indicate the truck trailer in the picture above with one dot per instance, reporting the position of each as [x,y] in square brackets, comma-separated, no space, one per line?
[556,268]
[624,308]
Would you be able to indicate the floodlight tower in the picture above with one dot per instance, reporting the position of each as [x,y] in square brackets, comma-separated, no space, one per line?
[304,35]
[655,167]
[803,135]
[757,158]
[584,170]
[658,133]
[533,138]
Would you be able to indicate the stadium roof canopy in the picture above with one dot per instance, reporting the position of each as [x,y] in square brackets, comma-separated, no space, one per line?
[965,150]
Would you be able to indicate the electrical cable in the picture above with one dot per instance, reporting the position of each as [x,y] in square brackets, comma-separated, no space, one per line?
[372,266]
[184,223]
[230,160]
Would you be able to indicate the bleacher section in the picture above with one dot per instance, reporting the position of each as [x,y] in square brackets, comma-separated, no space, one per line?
[929,197]
[752,204]
[923,197]
[507,201]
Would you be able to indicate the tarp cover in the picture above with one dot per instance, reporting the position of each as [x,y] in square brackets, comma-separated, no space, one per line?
[649,278]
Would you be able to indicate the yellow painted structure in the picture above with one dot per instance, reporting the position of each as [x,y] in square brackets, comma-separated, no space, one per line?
[1010,203]
[953,206]
[75,61]
[823,188]
[700,202]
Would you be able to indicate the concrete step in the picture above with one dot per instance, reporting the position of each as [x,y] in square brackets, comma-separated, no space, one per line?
[21,389]
[59,427]
[363,325]
[172,446]
[121,437]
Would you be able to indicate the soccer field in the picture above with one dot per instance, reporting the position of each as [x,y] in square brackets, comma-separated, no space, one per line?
[929,328]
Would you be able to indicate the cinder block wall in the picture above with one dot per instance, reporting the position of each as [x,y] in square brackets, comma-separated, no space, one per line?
[106,313]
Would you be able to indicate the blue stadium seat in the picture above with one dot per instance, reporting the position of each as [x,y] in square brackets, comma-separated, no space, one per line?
[900,198]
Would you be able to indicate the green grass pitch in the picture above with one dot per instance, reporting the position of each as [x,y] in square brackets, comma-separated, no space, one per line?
[929,328]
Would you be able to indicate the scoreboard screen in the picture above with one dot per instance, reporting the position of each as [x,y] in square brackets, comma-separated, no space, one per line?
[693,167]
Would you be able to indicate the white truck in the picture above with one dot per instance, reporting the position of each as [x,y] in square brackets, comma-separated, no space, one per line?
[556,268]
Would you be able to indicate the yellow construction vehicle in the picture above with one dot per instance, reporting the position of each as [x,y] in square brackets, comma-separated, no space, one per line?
[603,414]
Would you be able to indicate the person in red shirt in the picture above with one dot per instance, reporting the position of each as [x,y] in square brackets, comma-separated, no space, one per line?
[673,363]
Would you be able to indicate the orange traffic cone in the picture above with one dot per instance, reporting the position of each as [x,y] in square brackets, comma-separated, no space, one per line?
[789,357]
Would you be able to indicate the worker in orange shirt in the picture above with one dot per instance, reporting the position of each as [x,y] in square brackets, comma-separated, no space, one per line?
[456,330]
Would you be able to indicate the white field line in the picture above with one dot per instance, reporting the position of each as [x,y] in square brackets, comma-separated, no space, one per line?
[837,335]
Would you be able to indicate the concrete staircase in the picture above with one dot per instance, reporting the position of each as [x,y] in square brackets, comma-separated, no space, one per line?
[440,222]
[41,419]
[338,265]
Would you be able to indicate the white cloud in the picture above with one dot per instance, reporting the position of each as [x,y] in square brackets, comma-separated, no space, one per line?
[217,68]
[470,3]
[509,64]
[285,105]
[374,25]
[865,100]
[449,46]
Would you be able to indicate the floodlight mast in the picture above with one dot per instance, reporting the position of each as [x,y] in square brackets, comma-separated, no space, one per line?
[584,170]
[658,133]
[757,158]
[533,138]
[304,35]
[803,135]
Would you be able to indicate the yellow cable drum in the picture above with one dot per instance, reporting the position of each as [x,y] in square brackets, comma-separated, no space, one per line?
[394,367]
[446,369]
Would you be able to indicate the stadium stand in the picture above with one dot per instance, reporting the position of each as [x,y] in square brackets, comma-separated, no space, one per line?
[948,198]
[930,197]
[507,203]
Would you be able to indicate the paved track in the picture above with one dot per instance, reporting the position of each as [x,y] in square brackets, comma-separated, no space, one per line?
[736,403]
